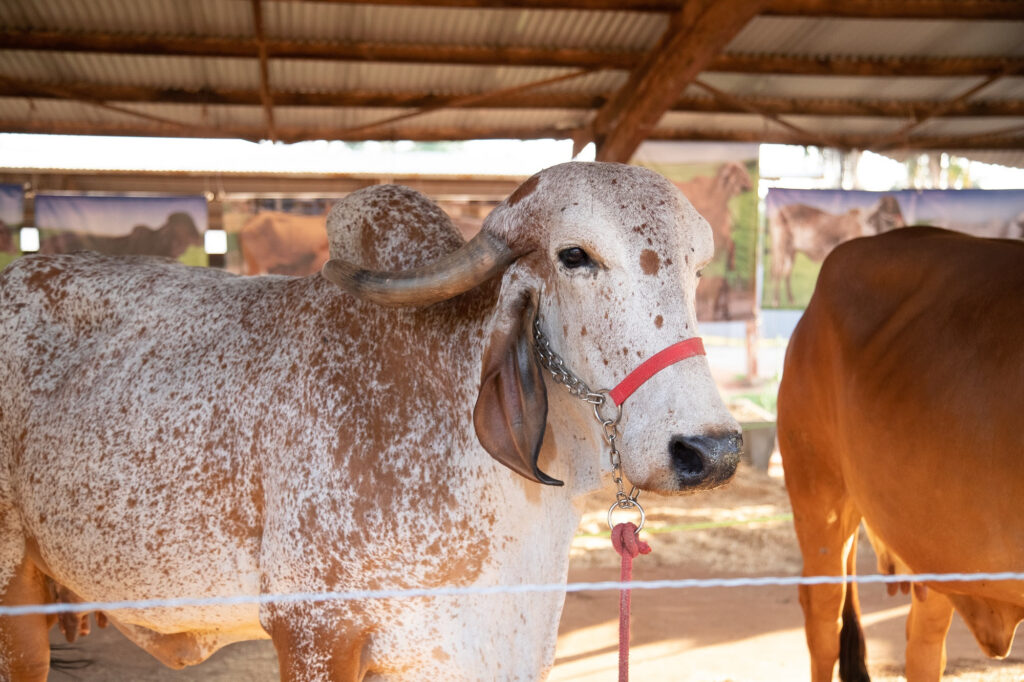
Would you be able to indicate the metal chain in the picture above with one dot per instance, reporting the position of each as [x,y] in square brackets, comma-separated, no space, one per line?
[553,363]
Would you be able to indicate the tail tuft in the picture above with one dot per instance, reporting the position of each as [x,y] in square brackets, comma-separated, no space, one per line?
[852,647]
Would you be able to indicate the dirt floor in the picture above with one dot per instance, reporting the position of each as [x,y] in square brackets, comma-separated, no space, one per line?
[750,634]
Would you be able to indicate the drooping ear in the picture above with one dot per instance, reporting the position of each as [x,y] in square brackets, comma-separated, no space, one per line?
[512,407]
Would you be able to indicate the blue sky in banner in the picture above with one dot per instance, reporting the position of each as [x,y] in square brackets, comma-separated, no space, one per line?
[11,204]
[114,215]
[919,206]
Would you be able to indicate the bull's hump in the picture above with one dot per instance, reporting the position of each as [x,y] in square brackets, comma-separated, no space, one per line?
[390,227]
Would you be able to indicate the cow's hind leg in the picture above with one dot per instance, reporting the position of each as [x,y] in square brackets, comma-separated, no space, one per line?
[24,644]
[931,614]
[826,523]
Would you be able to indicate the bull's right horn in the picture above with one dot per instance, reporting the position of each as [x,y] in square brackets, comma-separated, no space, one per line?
[474,263]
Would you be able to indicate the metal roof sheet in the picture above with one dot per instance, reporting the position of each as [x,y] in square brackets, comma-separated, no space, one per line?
[168,61]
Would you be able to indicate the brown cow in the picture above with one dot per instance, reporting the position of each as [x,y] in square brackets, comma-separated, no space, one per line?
[171,239]
[900,405]
[283,244]
[801,228]
[173,431]
[711,196]
[6,239]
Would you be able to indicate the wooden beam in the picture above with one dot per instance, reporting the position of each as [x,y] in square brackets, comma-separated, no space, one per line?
[1012,138]
[859,9]
[261,49]
[57,92]
[208,46]
[751,108]
[952,10]
[883,67]
[779,106]
[461,101]
[693,39]
[128,44]
[901,136]
[254,183]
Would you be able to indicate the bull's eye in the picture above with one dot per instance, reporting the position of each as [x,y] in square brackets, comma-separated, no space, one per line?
[574,257]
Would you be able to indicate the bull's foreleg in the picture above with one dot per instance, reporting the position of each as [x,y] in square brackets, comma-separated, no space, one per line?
[24,644]
[931,614]
[314,646]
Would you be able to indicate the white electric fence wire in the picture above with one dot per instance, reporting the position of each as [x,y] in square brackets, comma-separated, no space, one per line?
[357,595]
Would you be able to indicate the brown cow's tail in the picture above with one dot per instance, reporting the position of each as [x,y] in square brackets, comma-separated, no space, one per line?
[852,646]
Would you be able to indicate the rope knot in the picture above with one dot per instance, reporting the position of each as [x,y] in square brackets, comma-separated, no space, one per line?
[626,542]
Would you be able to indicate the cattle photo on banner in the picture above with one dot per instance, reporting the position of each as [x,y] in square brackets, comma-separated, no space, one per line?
[720,180]
[804,225]
[11,217]
[278,236]
[170,226]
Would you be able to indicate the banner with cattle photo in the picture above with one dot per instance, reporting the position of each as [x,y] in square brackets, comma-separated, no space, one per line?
[276,236]
[170,226]
[11,217]
[805,224]
[720,180]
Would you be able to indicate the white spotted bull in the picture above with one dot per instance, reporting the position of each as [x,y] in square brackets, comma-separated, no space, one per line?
[168,431]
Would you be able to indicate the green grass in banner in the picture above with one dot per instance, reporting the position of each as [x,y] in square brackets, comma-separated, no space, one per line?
[6,259]
[195,255]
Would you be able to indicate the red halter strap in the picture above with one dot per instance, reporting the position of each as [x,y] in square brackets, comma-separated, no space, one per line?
[653,365]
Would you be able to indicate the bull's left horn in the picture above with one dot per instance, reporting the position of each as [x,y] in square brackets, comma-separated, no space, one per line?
[474,263]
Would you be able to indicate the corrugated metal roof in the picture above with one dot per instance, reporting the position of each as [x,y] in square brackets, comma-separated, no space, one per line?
[183,61]
[159,17]
[464,26]
[879,37]
[837,87]
[187,73]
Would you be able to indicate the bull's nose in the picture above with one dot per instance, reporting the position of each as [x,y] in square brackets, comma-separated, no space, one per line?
[705,461]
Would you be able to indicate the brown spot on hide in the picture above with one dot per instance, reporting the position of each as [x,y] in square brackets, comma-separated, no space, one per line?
[524,190]
[649,262]
[658,321]
[583,331]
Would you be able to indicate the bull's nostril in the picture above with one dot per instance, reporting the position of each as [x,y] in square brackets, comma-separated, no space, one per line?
[686,461]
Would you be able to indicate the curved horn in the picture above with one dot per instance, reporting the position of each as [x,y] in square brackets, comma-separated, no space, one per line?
[474,263]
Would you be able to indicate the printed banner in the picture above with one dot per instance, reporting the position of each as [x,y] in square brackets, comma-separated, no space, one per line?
[804,225]
[11,216]
[281,236]
[720,180]
[154,226]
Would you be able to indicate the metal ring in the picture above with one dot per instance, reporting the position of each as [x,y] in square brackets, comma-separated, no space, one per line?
[597,409]
[627,503]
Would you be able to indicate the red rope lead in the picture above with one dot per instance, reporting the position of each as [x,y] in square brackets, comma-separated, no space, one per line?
[628,545]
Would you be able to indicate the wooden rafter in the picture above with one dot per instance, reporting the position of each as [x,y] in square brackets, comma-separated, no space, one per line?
[1003,139]
[463,101]
[261,49]
[29,89]
[861,9]
[778,106]
[699,32]
[900,137]
[751,108]
[209,46]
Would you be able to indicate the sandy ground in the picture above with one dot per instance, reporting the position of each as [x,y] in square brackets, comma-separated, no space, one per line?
[750,634]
